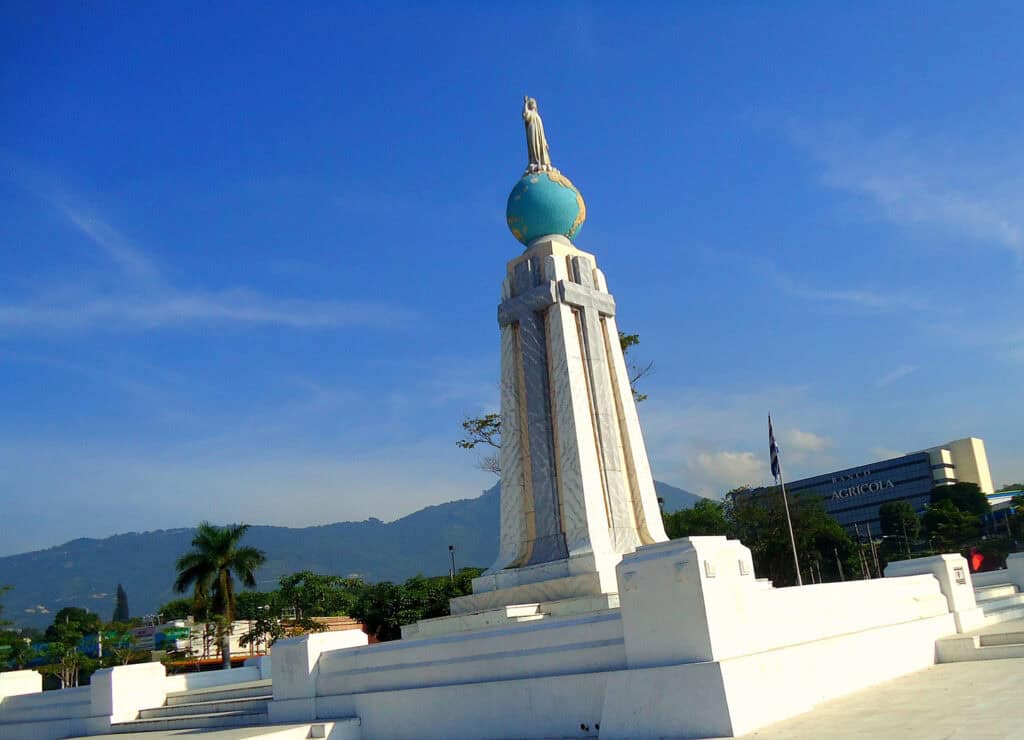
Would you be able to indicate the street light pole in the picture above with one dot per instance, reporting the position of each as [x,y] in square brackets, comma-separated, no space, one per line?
[451,552]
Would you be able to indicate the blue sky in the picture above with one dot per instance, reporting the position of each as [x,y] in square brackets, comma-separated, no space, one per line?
[250,254]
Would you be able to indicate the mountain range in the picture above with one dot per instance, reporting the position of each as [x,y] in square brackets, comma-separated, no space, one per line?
[85,572]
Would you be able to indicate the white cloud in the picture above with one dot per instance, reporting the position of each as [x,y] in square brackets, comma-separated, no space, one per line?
[806,441]
[725,469]
[896,374]
[910,180]
[140,298]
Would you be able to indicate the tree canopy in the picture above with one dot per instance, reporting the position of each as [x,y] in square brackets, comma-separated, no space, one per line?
[950,527]
[964,496]
[706,517]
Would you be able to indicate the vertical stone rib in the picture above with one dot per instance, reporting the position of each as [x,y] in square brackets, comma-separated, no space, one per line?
[619,387]
[514,535]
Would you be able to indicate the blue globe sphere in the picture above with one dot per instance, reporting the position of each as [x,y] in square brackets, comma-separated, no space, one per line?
[544,203]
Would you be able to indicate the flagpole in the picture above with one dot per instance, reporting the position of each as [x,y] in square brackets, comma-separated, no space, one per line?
[777,463]
[789,523]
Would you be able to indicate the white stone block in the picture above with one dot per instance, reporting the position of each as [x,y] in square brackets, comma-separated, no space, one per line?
[120,692]
[296,661]
[1015,569]
[955,581]
[17,683]
[262,663]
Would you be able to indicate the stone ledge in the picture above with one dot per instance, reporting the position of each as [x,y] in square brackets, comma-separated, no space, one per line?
[510,614]
[555,589]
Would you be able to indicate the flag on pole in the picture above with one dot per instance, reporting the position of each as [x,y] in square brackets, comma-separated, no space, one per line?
[773,450]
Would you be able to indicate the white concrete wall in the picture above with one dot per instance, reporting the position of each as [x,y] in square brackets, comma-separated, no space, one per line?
[697,599]
[119,693]
[991,577]
[206,679]
[1015,569]
[15,683]
[542,707]
[296,670]
[954,579]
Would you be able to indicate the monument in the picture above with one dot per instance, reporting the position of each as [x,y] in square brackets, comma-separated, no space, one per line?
[576,487]
[589,623]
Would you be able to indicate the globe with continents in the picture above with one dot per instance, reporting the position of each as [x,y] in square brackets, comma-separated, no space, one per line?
[544,203]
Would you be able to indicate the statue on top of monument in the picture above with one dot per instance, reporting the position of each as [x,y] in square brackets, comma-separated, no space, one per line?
[536,142]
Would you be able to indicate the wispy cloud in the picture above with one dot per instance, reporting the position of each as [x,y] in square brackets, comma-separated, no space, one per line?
[806,441]
[860,297]
[138,297]
[863,299]
[893,375]
[915,181]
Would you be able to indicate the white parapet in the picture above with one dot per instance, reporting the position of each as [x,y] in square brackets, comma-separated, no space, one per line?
[1015,569]
[954,577]
[296,668]
[117,694]
[17,683]
[712,653]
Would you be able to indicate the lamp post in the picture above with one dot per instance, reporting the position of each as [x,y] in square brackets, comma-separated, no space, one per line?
[451,553]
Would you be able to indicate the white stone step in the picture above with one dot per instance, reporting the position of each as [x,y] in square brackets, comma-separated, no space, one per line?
[29,713]
[221,693]
[969,647]
[345,728]
[995,591]
[249,704]
[192,722]
[1002,638]
[1004,609]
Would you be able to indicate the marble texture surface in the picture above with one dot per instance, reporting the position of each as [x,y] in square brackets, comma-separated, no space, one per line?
[576,483]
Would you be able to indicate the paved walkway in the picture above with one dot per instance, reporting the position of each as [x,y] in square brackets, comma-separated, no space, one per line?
[980,700]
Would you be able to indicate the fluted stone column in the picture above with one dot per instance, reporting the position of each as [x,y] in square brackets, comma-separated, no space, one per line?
[576,486]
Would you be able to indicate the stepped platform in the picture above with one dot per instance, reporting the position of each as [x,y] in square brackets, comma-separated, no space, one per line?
[233,705]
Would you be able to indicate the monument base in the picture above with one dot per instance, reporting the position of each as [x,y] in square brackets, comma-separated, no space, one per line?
[696,648]
[507,615]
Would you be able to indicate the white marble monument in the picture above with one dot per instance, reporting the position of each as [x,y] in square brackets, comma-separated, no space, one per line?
[589,623]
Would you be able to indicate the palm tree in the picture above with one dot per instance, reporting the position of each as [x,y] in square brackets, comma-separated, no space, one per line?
[211,567]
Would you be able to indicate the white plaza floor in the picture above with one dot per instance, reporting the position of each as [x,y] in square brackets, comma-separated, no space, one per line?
[978,700]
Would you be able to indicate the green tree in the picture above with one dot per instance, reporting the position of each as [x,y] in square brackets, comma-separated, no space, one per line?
[706,517]
[63,637]
[384,607]
[485,431]
[949,528]
[210,568]
[119,645]
[15,650]
[181,609]
[1010,487]
[964,496]
[121,613]
[71,624]
[899,520]
[759,522]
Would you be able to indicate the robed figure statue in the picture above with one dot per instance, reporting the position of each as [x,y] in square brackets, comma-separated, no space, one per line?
[536,142]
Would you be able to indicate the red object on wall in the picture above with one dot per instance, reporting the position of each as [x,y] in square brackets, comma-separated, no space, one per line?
[976,560]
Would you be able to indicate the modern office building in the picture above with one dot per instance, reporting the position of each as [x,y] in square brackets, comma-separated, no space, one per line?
[853,495]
